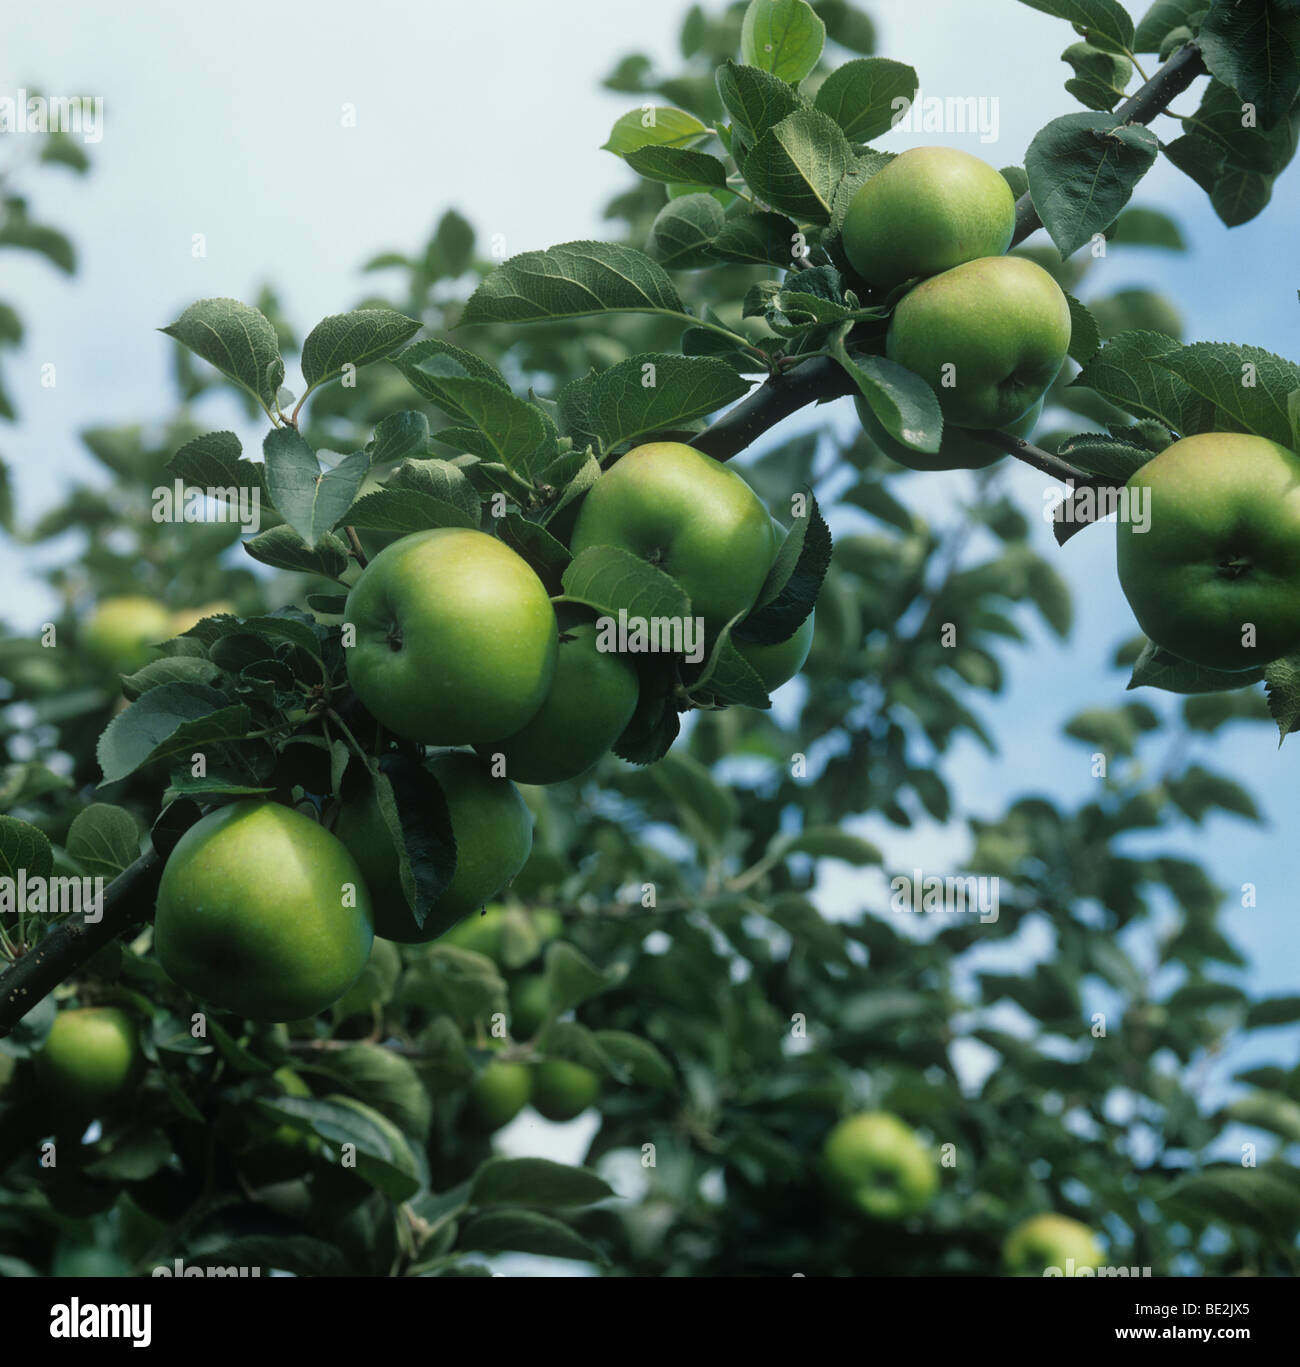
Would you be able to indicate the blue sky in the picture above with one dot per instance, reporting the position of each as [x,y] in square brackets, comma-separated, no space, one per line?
[229,122]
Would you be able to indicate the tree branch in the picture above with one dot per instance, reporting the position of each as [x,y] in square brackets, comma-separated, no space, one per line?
[127,902]
[812,382]
[1153,98]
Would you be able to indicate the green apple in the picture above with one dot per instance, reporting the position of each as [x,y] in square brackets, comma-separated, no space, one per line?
[263,912]
[455,638]
[90,1059]
[1221,553]
[958,449]
[530,1004]
[493,829]
[989,337]
[122,631]
[693,517]
[778,663]
[480,933]
[563,1089]
[928,210]
[591,700]
[1050,1241]
[498,1094]
[876,1164]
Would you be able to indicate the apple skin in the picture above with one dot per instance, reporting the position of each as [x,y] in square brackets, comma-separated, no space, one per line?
[1045,1241]
[455,638]
[1216,499]
[121,631]
[592,697]
[90,1059]
[693,517]
[251,914]
[877,1165]
[498,1094]
[778,663]
[563,1089]
[928,210]
[958,450]
[1001,321]
[494,836]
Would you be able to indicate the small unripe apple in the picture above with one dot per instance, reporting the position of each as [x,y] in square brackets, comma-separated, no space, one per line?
[122,631]
[1215,577]
[563,1089]
[263,912]
[988,337]
[455,638]
[928,210]
[876,1164]
[90,1059]
[498,1094]
[1050,1241]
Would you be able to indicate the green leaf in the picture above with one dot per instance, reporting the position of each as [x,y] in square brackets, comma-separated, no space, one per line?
[383,1156]
[761,239]
[657,126]
[570,281]
[23,847]
[169,723]
[353,339]
[863,96]
[1143,227]
[683,231]
[384,1081]
[1214,370]
[451,248]
[423,365]
[1100,77]
[1254,1198]
[784,37]
[1255,49]
[238,340]
[311,500]
[755,99]
[398,436]
[536,1182]
[1105,22]
[571,978]
[1085,337]
[608,578]
[677,166]
[826,842]
[798,165]
[706,810]
[104,840]
[1127,372]
[1082,171]
[1161,19]
[283,549]
[524,1231]
[1273,1011]
[639,1058]
[654,392]
[903,403]
[1282,682]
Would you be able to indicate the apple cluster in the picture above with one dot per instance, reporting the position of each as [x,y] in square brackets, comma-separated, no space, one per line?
[457,644]
[876,1166]
[988,332]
